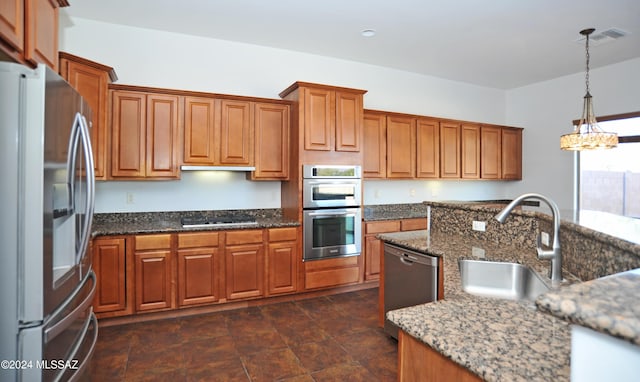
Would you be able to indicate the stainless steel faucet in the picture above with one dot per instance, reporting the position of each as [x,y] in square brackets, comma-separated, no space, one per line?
[555,254]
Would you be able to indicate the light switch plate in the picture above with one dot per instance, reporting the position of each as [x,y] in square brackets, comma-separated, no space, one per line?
[478,253]
[544,237]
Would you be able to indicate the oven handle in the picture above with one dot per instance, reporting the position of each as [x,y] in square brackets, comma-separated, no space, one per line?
[331,214]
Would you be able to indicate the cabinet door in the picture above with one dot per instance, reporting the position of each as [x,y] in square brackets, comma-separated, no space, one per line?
[428,149]
[236,134]
[198,276]
[511,153]
[348,121]
[153,280]
[109,263]
[199,127]
[128,142]
[470,146]
[245,271]
[12,23]
[372,248]
[282,268]
[162,136]
[401,143]
[374,147]
[318,119]
[491,152]
[272,142]
[449,150]
[92,84]
[42,32]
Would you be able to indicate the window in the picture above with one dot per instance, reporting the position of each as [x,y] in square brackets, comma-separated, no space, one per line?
[609,180]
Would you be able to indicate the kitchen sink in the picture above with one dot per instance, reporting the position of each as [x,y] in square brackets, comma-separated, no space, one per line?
[510,281]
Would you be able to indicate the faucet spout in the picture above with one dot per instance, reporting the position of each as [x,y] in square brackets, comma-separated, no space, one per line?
[555,254]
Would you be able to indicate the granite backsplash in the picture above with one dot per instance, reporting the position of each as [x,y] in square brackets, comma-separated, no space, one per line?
[587,254]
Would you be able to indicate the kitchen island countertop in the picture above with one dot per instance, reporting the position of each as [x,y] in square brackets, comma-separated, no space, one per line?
[499,340]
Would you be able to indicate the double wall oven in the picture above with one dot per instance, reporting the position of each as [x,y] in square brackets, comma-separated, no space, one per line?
[332,217]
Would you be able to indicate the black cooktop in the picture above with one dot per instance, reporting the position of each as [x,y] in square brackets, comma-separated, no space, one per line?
[204,221]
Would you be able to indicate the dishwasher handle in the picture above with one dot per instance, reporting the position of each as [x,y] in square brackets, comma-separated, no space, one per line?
[408,257]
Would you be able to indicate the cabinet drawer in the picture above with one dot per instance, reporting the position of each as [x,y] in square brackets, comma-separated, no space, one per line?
[146,242]
[382,226]
[414,224]
[283,234]
[195,240]
[340,262]
[244,237]
[331,277]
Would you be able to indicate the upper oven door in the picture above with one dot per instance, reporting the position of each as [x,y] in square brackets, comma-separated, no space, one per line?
[319,193]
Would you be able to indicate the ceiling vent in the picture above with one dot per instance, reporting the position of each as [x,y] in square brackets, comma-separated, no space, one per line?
[604,36]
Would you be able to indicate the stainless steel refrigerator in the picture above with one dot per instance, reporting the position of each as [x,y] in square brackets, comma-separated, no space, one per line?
[47,327]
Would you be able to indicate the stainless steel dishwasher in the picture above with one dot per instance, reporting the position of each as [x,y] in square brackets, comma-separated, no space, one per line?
[410,278]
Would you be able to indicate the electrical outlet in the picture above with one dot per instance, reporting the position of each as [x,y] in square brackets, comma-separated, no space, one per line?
[376,194]
[478,253]
[479,226]
[544,237]
[130,198]
[412,192]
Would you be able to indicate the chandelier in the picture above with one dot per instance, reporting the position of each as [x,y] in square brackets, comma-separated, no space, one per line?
[587,135]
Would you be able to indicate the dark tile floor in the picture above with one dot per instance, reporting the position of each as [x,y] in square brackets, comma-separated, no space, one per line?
[332,338]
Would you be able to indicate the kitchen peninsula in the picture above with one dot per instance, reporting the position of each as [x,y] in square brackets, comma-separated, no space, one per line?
[493,339]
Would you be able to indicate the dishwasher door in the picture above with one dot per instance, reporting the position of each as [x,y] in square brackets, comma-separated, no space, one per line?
[410,278]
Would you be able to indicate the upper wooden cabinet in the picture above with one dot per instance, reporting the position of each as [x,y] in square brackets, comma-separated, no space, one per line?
[329,119]
[427,148]
[29,30]
[470,151]
[491,144]
[91,80]
[236,133]
[401,154]
[199,130]
[374,145]
[449,150]
[271,142]
[511,156]
[144,141]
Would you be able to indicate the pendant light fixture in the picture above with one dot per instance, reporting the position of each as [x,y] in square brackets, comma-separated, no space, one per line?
[588,135]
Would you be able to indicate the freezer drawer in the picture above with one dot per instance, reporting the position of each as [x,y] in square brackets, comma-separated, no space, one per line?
[410,278]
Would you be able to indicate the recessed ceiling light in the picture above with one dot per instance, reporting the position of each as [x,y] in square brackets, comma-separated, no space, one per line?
[368,33]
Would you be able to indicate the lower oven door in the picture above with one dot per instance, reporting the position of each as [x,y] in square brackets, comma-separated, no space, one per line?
[332,233]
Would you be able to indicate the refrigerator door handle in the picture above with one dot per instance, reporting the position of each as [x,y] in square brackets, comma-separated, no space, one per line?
[60,326]
[72,355]
[91,178]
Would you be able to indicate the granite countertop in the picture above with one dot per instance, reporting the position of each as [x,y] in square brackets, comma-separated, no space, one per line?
[608,305]
[394,211]
[499,340]
[168,222]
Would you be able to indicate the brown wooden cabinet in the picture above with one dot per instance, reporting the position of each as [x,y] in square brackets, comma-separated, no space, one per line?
[244,257]
[511,153]
[401,152]
[491,151]
[29,30]
[91,80]
[144,142]
[470,151]
[419,362]
[282,261]
[154,273]
[332,272]
[427,148]
[199,272]
[236,133]
[449,150]
[271,142]
[110,264]
[199,130]
[374,145]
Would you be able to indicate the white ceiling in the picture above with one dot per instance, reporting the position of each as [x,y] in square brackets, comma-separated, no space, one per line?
[496,43]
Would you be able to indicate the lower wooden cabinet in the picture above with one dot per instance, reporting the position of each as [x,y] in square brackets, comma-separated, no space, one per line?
[419,362]
[282,260]
[332,272]
[109,264]
[244,257]
[153,273]
[199,271]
